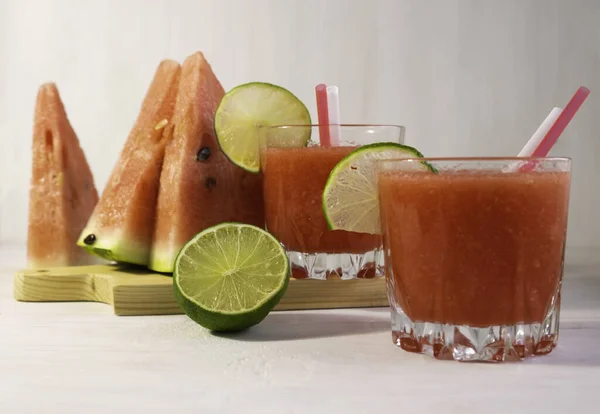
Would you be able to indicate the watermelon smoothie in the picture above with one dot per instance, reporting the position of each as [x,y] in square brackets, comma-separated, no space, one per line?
[293,182]
[474,256]
[293,207]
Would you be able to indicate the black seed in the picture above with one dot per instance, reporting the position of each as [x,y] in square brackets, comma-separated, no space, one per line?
[203,154]
[90,239]
[210,183]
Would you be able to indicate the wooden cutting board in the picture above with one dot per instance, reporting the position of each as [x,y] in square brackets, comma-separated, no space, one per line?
[133,291]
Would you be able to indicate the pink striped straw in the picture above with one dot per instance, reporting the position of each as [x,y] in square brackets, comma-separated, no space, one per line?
[566,115]
[561,123]
[323,114]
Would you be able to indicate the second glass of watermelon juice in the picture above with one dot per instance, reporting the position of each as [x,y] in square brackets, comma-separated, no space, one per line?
[475,254]
[293,182]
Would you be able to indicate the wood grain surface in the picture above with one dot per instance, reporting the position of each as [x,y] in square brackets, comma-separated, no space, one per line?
[132,291]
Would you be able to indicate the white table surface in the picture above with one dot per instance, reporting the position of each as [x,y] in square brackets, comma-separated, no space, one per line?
[80,358]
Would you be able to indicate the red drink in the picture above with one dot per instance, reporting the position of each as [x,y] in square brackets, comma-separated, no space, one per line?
[293,181]
[476,248]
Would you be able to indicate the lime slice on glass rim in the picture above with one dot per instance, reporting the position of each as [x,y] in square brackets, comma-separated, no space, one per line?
[228,277]
[350,196]
[250,105]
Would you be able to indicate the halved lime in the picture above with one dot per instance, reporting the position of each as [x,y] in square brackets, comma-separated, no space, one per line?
[248,106]
[350,196]
[230,276]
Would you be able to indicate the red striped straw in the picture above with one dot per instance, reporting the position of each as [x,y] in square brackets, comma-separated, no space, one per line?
[561,122]
[555,131]
[323,113]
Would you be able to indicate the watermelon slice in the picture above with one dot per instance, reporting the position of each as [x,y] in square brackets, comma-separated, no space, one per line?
[199,186]
[121,226]
[62,193]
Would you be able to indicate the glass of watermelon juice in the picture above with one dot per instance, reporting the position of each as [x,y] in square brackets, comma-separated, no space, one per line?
[474,254]
[293,182]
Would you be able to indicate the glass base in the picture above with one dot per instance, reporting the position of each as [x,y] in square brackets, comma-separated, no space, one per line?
[465,343]
[336,265]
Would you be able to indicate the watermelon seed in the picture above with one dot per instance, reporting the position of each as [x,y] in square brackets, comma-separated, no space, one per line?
[210,183]
[203,154]
[90,239]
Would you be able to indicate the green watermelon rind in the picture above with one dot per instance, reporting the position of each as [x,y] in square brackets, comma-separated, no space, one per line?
[162,263]
[115,249]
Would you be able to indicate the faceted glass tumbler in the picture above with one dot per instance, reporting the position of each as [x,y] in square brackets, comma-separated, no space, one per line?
[474,252]
[293,182]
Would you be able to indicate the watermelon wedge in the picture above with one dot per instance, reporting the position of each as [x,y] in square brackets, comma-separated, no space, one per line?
[121,226]
[62,193]
[199,186]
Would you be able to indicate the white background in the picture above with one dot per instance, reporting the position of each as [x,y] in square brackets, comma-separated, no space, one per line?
[466,77]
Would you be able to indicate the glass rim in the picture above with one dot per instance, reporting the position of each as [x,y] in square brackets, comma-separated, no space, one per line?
[476,159]
[281,126]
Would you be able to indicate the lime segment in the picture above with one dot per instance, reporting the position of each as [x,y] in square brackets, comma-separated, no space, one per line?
[248,106]
[350,196]
[230,276]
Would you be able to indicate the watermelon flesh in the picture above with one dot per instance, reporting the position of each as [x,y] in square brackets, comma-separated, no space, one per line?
[199,186]
[62,194]
[122,223]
